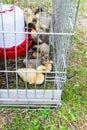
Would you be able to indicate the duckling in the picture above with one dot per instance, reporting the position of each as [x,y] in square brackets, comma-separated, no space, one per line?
[28,15]
[35,76]
[32,76]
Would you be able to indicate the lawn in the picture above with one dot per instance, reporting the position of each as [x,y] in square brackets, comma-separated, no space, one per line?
[72,114]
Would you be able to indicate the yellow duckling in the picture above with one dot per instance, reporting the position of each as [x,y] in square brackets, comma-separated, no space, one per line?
[31,76]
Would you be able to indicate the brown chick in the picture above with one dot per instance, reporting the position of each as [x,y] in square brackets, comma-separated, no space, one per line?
[43,51]
[43,48]
[32,76]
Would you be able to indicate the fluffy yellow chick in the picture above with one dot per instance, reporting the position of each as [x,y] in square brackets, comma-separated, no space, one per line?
[31,76]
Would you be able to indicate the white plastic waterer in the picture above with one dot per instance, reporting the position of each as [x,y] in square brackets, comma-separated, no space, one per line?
[11,19]
[11,31]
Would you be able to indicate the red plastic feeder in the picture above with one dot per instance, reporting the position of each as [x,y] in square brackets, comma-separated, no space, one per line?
[21,49]
[10,52]
[8,40]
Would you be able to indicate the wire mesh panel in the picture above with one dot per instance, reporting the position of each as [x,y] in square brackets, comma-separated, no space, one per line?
[33,65]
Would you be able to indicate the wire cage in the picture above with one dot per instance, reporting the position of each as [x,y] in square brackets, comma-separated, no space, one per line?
[17,90]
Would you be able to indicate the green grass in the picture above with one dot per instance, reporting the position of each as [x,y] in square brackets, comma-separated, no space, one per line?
[72,114]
